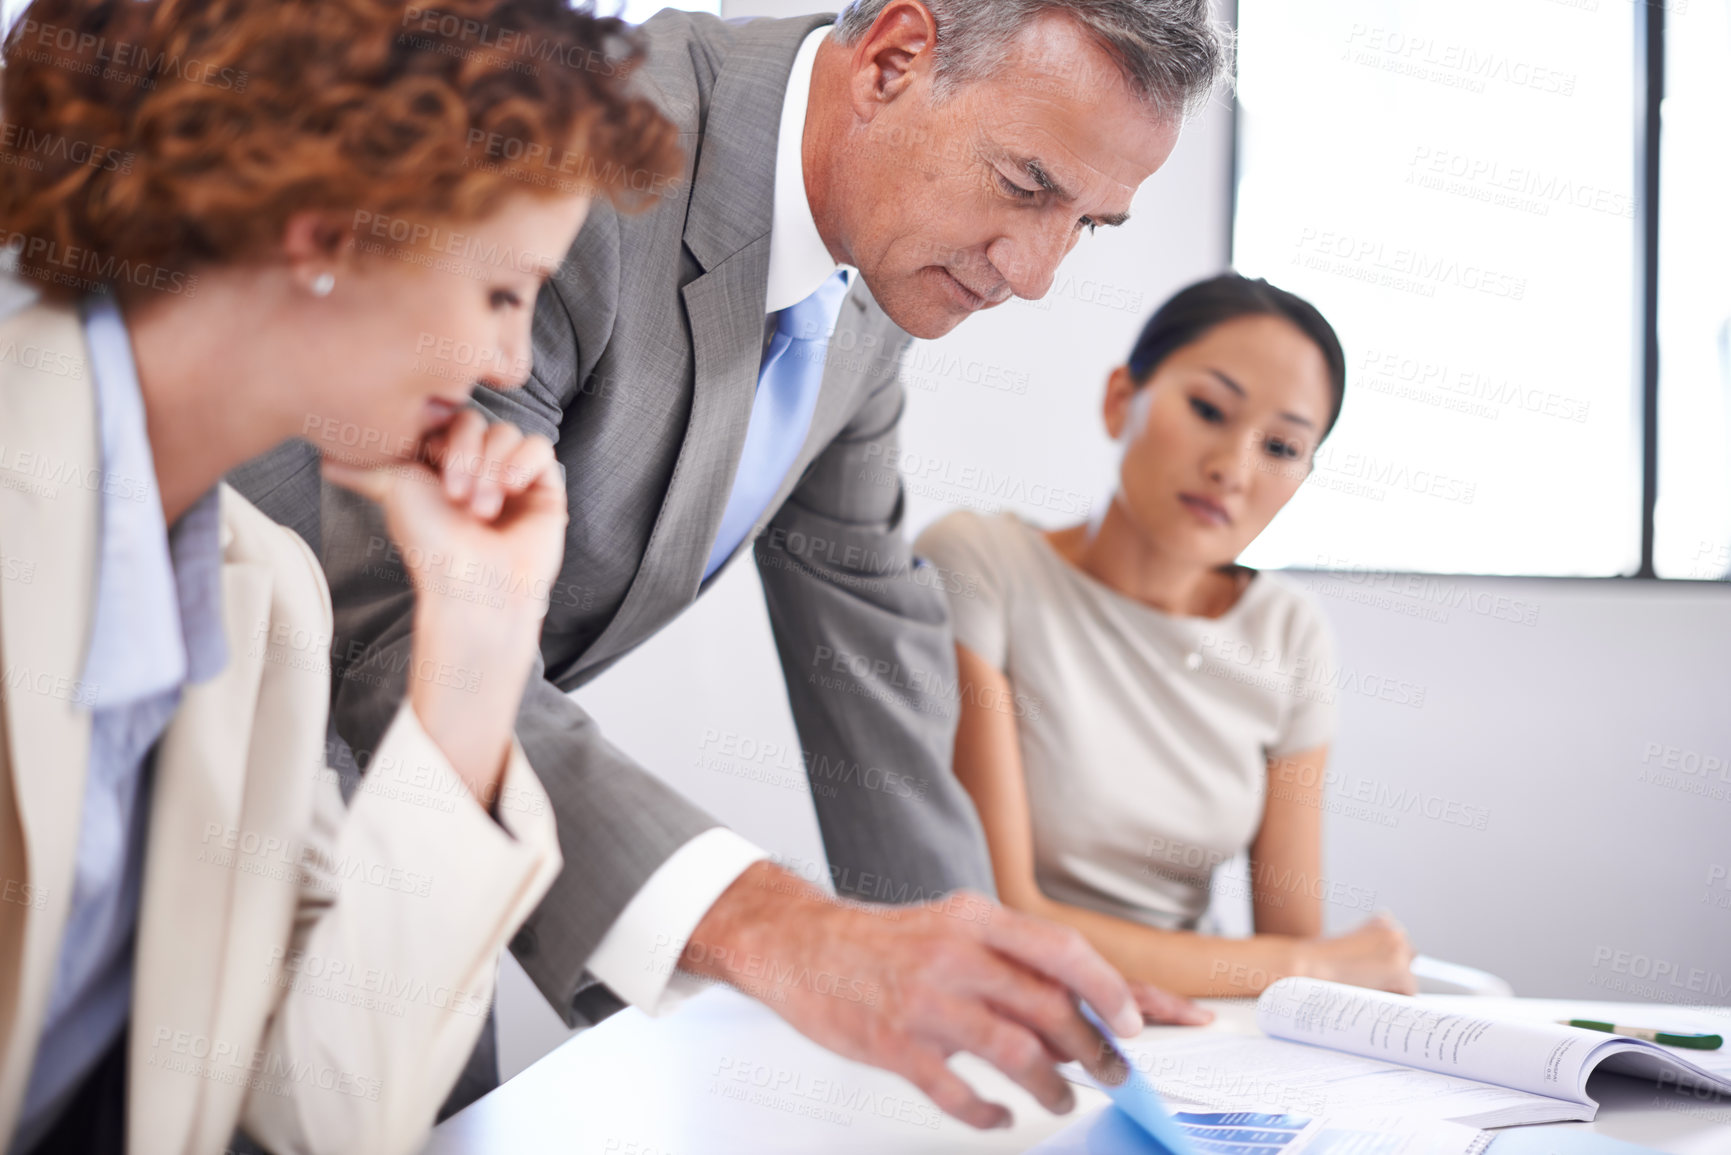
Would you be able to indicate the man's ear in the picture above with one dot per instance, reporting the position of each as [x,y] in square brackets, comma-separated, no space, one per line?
[313,244]
[899,49]
[1121,390]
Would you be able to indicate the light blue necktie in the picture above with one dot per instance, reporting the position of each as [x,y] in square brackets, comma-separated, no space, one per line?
[787,388]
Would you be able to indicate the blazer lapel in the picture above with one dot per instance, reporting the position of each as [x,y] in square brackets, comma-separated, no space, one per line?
[727,348]
[49,520]
[189,880]
[733,189]
[726,230]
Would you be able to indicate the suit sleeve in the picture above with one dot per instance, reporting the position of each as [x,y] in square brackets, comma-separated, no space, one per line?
[404,899]
[864,639]
[429,932]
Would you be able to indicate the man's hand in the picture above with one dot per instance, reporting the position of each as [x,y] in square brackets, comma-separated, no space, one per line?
[904,988]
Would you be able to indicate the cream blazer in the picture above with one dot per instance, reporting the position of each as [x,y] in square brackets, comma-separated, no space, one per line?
[314,974]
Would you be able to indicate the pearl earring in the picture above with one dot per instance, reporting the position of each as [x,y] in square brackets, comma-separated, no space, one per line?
[323,284]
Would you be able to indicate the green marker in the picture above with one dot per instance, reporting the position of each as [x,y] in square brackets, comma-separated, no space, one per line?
[1669,1038]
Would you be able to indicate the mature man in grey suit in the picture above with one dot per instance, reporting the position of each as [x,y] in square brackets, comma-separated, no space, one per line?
[715,374]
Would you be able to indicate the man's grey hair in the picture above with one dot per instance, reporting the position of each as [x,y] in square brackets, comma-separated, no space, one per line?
[1170,52]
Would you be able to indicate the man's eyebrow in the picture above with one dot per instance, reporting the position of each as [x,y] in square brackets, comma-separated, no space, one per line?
[1038,174]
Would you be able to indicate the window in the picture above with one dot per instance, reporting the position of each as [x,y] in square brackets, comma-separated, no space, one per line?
[1693,516]
[1456,187]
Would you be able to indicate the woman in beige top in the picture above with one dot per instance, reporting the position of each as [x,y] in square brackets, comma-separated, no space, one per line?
[1137,708]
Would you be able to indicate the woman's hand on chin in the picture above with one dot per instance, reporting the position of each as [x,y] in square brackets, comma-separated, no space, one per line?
[480,512]
[480,524]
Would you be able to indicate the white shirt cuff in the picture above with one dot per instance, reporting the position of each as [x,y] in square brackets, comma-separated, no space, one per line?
[638,958]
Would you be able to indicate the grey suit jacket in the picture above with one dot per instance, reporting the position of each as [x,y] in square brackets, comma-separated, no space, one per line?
[647,348]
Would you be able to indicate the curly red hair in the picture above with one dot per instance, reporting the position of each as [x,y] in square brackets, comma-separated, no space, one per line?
[161,135]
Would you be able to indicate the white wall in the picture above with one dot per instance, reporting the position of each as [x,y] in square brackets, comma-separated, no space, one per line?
[1555,738]
[1539,730]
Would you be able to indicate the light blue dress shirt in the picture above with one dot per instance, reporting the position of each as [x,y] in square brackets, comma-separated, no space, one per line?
[157,627]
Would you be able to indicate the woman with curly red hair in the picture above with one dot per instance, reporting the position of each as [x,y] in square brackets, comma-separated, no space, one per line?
[229,223]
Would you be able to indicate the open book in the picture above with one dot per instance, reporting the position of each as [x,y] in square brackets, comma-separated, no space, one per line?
[1334,1050]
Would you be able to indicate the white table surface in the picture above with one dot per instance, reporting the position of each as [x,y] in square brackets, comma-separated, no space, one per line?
[723,1074]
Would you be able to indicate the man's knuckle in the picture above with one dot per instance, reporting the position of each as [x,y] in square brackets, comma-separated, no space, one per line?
[1014,1050]
[952,1100]
[921,999]
[887,1038]
[1052,1008]
[929,1074]
[910,1066]
[948,951]
[1073,948]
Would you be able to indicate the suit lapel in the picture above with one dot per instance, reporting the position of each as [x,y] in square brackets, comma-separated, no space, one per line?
[727,352]
[733,189]
[727,229]
[179,971]
[49,520]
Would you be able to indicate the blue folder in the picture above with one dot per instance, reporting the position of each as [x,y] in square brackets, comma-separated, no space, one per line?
[1137,1099]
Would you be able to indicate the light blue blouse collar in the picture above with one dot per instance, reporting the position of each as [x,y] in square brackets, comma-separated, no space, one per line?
[158,618]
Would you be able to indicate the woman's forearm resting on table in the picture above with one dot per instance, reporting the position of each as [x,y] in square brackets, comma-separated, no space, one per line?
[1183,962]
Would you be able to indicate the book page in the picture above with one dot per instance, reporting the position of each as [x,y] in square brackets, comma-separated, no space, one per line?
[1671,1067]
[1683,1068]
[1540,1058]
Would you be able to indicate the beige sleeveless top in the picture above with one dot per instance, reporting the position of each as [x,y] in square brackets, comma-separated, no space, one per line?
[1145,736]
